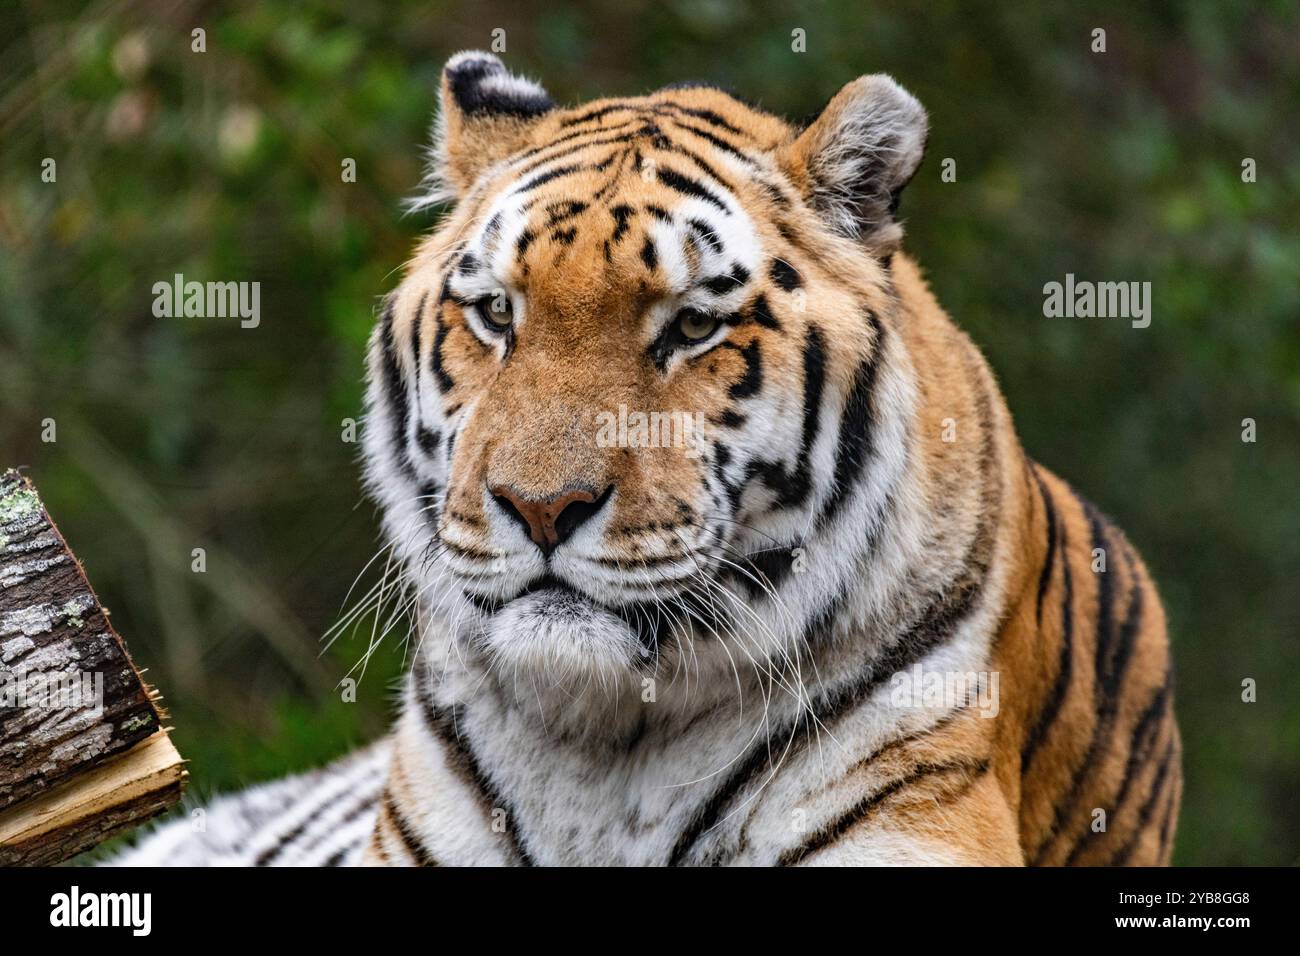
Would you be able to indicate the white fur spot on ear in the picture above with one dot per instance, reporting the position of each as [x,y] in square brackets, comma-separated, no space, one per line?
[510,85]
[867,156]
[457,60]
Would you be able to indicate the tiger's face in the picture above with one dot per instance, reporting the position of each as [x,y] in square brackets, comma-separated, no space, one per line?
[633,373]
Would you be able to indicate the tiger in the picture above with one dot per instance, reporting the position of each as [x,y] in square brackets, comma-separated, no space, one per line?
[844,620]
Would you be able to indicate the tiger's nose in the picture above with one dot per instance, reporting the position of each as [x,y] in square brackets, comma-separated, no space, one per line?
[550,521]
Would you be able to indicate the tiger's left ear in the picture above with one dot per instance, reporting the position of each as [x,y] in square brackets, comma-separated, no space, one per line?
[485,113]
[854,159]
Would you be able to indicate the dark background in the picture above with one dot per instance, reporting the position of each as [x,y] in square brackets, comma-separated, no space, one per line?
[174,434]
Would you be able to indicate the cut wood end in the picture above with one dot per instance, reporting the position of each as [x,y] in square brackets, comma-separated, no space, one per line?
[118,794]
[77,771]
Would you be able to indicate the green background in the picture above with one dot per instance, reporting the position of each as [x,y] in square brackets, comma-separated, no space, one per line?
[174,434]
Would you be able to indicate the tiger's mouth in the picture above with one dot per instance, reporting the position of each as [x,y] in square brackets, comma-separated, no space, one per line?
[560,603]
[547,584]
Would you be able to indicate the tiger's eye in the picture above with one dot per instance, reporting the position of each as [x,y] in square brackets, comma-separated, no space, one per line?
[696,325]
[497,311]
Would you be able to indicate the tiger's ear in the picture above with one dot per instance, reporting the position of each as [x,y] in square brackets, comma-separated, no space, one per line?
[854,159]
[485,113]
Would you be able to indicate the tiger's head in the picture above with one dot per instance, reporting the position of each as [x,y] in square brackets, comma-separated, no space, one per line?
[631,403]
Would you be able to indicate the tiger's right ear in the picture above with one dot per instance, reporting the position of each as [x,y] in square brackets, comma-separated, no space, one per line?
[484,114]
[854,159]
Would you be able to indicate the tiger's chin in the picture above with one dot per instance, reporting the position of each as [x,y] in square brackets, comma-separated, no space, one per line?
[557,638]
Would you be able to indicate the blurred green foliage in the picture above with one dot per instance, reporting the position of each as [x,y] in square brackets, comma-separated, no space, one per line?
[174,434]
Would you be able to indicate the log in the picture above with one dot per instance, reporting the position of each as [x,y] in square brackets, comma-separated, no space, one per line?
[83,753]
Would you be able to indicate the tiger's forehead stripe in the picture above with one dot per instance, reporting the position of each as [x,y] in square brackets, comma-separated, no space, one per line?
[690,227]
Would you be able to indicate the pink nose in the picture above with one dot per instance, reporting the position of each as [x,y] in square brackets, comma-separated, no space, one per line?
[550,521]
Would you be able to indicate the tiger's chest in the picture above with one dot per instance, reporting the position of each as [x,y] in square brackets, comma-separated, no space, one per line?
[734,789]
[640,807]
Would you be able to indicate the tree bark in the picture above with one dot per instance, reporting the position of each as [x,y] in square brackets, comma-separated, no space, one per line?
[70,697]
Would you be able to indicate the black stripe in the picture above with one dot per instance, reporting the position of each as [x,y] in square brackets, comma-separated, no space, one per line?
[749,383]
[706,232]
[563,210]
[706,818]
[717,141]
[950,604]
[854,447]
[535,150]
[1167,827]
[367,804]
[785,275]
[814,383]
[1065,667]
[461,759]
[690,187]
[772,565]
[410,839]
[417,335]
[1045,577]
[708,116]
[595,140]
[1122,648]
[1103,666]
[1110,665]
[546,177]
[622,214]
[1145,733]
[760,312]
[395,390]
[865,807]
[896,743]
[270,853]
[727,281]
[597,113]
[620,139]
[428,439]
[614,178]
[793,487]
[436,365]
[525,240]
[704,165]
[1144,815]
